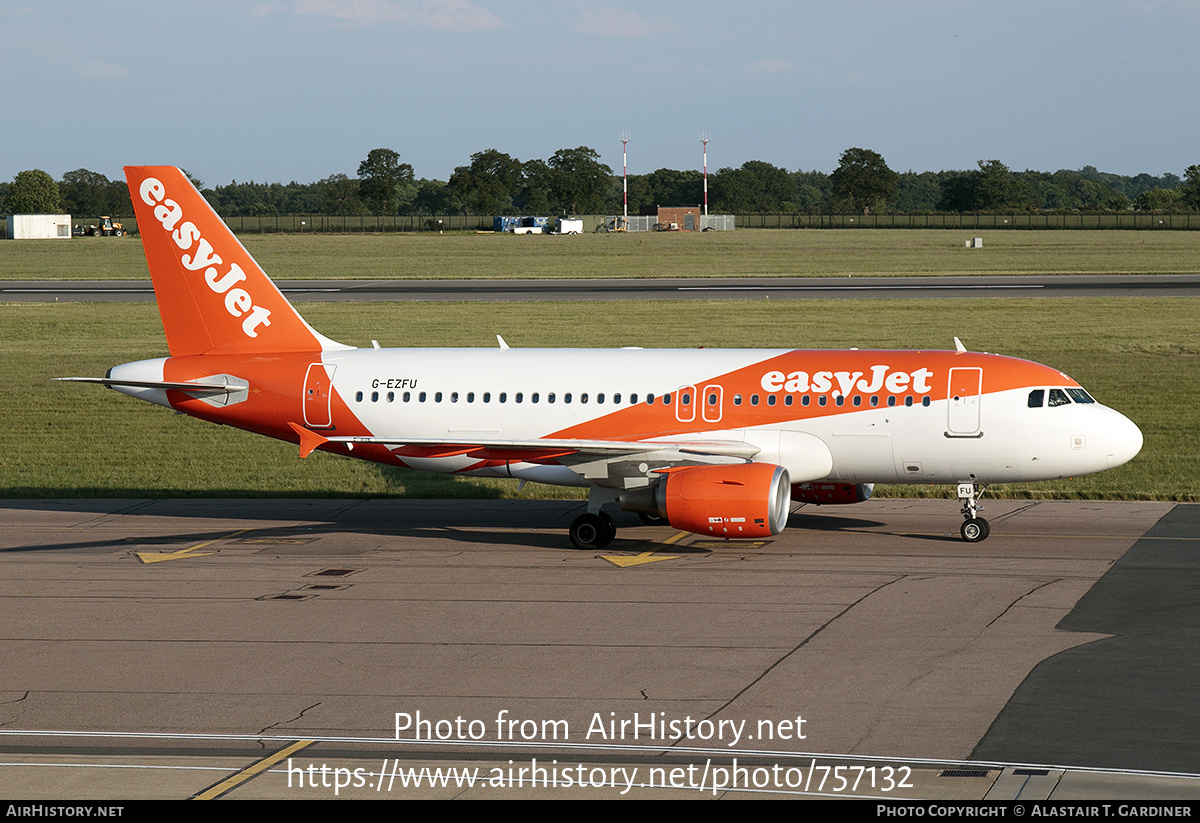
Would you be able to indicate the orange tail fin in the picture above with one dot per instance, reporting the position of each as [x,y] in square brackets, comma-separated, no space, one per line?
[213,297]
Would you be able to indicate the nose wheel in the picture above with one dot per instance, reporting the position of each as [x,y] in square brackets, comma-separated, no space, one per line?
[974,527]
[593,531]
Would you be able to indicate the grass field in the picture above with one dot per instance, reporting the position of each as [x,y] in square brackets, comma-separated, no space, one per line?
[1141,356]
[765,253]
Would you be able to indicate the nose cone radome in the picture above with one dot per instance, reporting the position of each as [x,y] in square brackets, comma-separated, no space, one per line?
[1124,440]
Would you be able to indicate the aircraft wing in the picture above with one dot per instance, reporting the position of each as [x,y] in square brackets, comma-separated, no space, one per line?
[595,460]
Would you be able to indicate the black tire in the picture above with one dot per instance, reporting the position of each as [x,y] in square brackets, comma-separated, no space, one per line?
[118,233]
[610,529]
[592,531]
[97,233]
[975,530]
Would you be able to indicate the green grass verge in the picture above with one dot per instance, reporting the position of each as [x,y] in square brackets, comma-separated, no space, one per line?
[743,253]
[1141,356]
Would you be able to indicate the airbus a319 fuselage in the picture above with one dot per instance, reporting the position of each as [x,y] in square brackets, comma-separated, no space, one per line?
[717,442]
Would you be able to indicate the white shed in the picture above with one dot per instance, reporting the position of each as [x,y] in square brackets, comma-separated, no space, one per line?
[38,226]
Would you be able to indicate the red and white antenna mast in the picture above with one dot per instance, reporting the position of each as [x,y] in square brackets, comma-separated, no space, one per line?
[704,138]
[624,138]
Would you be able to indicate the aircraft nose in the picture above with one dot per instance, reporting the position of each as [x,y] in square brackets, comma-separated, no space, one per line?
[1124,440]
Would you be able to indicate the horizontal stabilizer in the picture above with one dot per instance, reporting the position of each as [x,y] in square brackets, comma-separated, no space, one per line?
[188,386]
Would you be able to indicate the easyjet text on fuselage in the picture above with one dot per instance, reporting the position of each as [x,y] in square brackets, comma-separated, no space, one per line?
[880,377]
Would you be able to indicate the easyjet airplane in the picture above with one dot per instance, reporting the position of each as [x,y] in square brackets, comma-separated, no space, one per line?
[716,442]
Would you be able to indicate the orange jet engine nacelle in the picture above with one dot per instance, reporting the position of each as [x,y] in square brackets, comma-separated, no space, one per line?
[745,500]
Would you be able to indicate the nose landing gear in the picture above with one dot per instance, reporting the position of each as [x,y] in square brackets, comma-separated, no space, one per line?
[974,527]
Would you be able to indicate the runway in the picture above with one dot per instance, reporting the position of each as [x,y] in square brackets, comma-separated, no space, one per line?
[205,635]
[739,288]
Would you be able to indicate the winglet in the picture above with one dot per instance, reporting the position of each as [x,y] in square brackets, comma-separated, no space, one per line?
[309,440]
[958,346]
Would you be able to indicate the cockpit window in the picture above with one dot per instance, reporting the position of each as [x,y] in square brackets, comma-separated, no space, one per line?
[1080,396]
[1058,397]
[1036,398]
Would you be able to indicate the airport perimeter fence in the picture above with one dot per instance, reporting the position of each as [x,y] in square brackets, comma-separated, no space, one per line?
[1034,220]
[369,224]
[356,224]
[1029,220]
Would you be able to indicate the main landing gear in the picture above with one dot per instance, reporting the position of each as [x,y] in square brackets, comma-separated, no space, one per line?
[593,531]
[974,528]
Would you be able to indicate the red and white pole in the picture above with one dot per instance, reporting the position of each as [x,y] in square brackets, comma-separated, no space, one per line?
[624,138]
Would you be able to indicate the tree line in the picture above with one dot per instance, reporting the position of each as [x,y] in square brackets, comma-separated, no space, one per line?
[574,181]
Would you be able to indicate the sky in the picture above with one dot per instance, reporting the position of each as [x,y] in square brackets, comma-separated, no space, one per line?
[281,91]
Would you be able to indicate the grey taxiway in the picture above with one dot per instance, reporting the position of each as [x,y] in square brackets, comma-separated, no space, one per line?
[200,648]
[739,288]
